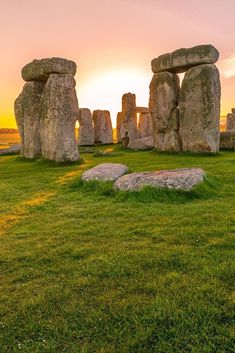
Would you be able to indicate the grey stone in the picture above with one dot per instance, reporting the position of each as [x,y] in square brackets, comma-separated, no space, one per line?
[40,70]
[227,141]
[14,149]
[179,179]
[230,123]
[143,110]
[183,59]
[130,115]
[164,92]
[27,114]
[103,127]
[86,135]
[59,112]
[145,126]
[105,172]
[199,109]
[144,143]
[121,130]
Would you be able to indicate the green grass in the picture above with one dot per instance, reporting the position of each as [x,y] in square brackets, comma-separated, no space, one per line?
[84,269]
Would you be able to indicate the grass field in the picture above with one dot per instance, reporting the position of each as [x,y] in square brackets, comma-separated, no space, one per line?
[85,270]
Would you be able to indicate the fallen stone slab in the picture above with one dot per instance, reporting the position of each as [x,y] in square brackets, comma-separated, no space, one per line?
[105,172]
[14,149]
[227,141]
[145,143]
[39,70]
[178,179]
[183,59]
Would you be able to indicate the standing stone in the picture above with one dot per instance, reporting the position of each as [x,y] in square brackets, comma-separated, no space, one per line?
[145,127]
[230,124]
[199,108]
[60,111]
[27,114]
[103,127]
[164,91]
[130,115]
[120,126]
[86,135]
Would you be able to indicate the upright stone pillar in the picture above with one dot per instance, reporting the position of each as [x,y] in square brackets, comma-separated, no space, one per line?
[86,136]
[120,126]
[130,115]
[163,102]
[59,112]
[145,126]
[199,109]
[103,127]
[27,114]
[230,124]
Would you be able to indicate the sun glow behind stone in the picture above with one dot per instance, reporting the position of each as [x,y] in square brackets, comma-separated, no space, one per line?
[104,90]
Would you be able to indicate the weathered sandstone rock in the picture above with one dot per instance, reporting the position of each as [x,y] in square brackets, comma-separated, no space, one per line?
[199,109]
[179,179]
[144,143]
[27,114]
[59,112]
[86,136]
[14,149]
[39,70]
[182,59]
[105,172]
[164,92]
[227,140]
[130,115]
[103,126]
[230,124]
[145,126]
[121,130]
[140,110]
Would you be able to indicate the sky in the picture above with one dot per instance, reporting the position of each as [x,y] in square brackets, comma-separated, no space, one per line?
[112,42]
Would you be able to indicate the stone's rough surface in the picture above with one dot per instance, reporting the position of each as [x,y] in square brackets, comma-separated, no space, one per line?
[27,114]
[59,112]
[179,179]
[103,127]
[227,140]
[144,143]
[105,172]
[39,70]
[164,92]
[182,59]
[14,149]
[120,126]
[86,135]
[140,110]
[199,109]
[230,123]
[130,115]
[145,126]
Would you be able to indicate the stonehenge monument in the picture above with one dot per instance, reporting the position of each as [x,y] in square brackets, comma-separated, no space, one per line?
[186,118]
[47,109]
[86,136]
[103,127]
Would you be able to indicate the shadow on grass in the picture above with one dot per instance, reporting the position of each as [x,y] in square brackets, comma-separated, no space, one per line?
[47,163]
[204,191]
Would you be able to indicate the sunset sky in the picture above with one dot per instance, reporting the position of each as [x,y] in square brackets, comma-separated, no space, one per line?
[112,42]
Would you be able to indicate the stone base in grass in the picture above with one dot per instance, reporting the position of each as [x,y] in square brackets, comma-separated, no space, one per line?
[178,179]
[105,172]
